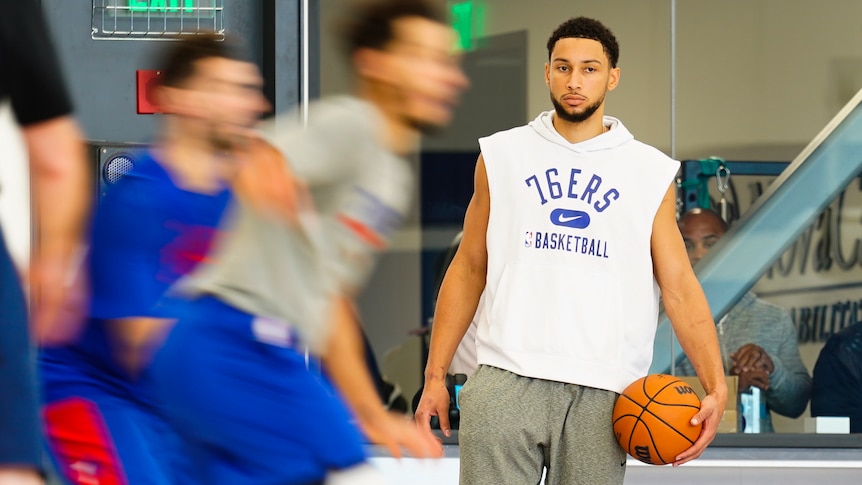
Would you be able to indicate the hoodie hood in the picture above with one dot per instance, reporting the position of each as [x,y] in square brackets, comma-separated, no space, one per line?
[614,137]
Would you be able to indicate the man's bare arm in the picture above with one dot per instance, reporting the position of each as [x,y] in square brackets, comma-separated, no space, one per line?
[344,360]
[688,310]
[456,305]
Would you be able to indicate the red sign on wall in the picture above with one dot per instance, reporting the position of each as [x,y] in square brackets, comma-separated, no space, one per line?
[146,83]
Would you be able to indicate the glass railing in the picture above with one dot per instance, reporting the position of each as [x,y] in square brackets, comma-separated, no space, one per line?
[795,241]
[791,203]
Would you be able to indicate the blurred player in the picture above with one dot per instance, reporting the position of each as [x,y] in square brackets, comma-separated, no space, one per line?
[31,81]
[151,228]
[245,405]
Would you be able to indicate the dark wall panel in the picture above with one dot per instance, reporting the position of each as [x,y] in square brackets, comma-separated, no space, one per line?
[101,73]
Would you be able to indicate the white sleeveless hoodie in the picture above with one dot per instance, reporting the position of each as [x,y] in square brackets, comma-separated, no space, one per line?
[570,294]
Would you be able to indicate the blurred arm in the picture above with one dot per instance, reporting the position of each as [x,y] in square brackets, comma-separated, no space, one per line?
[263,180]
[344,360]
[134,339]
[61,199]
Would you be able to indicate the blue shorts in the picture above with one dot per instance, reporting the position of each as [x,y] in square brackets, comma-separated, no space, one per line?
[248,412]
[96,437]
[20,437]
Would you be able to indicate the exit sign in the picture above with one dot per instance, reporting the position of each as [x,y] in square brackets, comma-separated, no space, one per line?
[468,20]
[167,6]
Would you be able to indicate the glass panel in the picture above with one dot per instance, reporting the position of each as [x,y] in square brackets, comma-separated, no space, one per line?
[745,87]
[752,83]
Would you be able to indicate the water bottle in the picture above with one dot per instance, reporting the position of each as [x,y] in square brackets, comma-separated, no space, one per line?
[753,405]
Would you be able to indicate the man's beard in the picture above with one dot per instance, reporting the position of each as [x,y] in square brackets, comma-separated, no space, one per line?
[221,140]
[575,117]
[424,127]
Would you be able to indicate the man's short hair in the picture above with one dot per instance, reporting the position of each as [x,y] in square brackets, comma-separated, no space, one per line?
[177,62]
[700,211]
[587,28]
[369,23]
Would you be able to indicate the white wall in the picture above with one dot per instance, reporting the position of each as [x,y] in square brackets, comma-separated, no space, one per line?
[763,83]
[756,79]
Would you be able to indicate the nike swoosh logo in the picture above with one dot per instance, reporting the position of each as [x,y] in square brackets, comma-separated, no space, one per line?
[564,219]
[570,218]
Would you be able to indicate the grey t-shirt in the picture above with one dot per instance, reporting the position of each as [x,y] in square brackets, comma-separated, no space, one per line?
[289,273]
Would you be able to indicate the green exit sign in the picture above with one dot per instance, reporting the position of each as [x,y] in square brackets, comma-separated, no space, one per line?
[468,20]
[162,6]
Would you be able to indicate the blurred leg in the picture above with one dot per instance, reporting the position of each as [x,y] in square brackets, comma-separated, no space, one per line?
[20,440]
[249,412]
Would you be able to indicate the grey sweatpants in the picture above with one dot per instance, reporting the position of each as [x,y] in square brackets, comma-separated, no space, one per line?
[514,426]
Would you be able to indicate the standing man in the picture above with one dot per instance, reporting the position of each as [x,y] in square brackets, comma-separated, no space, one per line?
[246,407]
[571,234]
[758,340]
[30,78]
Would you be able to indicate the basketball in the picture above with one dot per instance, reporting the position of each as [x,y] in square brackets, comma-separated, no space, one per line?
[652,418]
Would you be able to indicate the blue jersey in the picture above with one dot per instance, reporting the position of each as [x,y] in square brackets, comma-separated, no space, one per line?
[146,234]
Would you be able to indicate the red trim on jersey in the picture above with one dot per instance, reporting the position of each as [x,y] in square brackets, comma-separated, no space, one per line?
[82,443]
[364,232]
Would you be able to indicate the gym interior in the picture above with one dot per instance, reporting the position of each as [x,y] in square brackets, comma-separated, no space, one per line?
[760,100]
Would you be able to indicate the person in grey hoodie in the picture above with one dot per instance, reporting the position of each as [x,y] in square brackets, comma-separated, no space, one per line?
[758,340]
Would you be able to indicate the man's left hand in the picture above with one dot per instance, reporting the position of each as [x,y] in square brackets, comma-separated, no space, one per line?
[711,411]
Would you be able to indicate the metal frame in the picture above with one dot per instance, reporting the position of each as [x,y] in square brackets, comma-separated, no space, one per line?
[691,170]
[112,21]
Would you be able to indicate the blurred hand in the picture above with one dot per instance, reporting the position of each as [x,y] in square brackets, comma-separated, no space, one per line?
[434,402]
[711,411]
[59,293]
[397,432]
[264,181]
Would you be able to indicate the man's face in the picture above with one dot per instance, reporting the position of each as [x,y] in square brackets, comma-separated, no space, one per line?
[423,71]
[224,95]
[699,232]
[579,76]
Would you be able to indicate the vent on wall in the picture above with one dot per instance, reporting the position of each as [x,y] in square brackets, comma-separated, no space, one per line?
[155,19]
[114,161]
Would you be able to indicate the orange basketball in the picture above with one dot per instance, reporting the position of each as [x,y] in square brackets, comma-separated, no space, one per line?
[652,418]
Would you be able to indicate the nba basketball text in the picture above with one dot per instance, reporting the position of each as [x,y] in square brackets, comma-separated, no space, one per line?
[566,242]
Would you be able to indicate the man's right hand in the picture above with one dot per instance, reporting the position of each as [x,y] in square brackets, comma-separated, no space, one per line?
[397,432]
[264,181]
[434,402]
